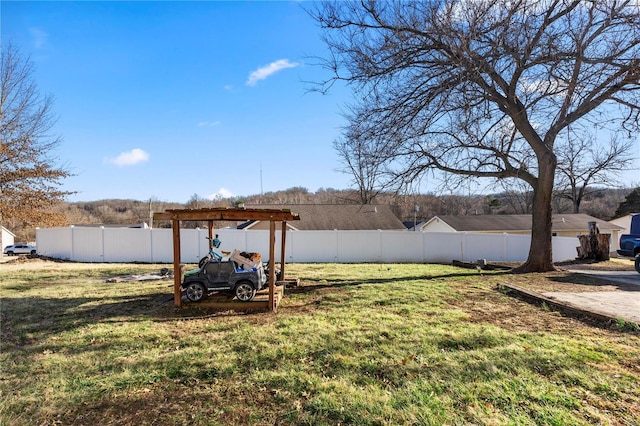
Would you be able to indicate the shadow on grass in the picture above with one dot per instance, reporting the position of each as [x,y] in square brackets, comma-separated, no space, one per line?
[24,318]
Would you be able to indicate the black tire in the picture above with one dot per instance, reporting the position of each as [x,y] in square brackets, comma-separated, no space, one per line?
[10,253]
[638,263]
[245,291]
[195,292]
[33,252]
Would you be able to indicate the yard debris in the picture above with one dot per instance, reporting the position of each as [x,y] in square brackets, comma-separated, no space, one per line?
[481,264]
[594,245]
[32,258]
[164,273]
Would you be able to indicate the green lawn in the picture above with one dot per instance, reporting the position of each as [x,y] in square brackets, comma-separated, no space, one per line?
[354,344]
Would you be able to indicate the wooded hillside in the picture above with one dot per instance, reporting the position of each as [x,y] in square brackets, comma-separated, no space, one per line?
[601,204]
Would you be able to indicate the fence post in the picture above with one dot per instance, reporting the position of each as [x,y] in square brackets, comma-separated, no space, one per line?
[151,246]
[505,244]
[102,256]
[73,250]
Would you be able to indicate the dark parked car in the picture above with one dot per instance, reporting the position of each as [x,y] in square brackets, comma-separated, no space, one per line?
[630,243]
[17,249]
[225,276]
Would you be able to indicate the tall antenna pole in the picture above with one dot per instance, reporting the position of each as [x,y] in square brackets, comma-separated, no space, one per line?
[261,193]
[150,214]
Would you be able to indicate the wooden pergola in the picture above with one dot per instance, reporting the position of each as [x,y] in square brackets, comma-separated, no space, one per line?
[212,214]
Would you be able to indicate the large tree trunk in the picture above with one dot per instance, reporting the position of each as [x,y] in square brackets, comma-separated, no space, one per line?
[540,252]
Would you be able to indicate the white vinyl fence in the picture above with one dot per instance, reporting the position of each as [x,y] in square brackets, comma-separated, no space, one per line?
[86,244]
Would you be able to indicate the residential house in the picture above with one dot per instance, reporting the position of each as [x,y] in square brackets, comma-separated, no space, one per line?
[625,223]
[7,238]
[332,216]
[564,225]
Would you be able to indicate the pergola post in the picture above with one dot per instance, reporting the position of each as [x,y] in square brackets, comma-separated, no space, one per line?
[177,270]
[272,265]
[210,226]
[283,239]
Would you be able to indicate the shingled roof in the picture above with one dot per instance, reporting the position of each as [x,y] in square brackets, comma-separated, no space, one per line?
[336,216]
[521,222]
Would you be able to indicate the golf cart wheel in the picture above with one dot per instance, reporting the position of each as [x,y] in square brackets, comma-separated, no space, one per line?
[638,263]
[195,292]
[245,291]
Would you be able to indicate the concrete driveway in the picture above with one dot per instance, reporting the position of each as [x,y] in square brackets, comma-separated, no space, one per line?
[620,304]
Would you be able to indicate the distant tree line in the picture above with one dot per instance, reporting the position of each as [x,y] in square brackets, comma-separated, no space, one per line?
[604,204]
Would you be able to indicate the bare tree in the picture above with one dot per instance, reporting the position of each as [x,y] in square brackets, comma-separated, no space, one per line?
[29,178]
[361,158]
[483,88]
[585,164]
[603,203]
[518,196]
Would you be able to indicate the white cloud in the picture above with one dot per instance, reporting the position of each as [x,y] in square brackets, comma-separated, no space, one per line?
[129,158]
[39,37]
[228,87]
[222,193]
[268,70]
[209,123]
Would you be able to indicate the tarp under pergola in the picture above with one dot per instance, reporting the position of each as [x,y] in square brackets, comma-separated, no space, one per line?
[213,214]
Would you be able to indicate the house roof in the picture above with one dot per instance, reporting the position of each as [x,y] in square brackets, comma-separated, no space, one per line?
[6,230]
[337,216]
[522,222]
[111,225]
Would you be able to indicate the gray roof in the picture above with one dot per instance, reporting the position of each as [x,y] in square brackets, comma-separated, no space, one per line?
[522,222]
[111,225]
[338,216]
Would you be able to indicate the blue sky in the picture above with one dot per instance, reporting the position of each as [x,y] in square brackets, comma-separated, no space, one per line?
[170,99]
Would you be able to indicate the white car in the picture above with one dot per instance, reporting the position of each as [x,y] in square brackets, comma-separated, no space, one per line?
[17,249]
